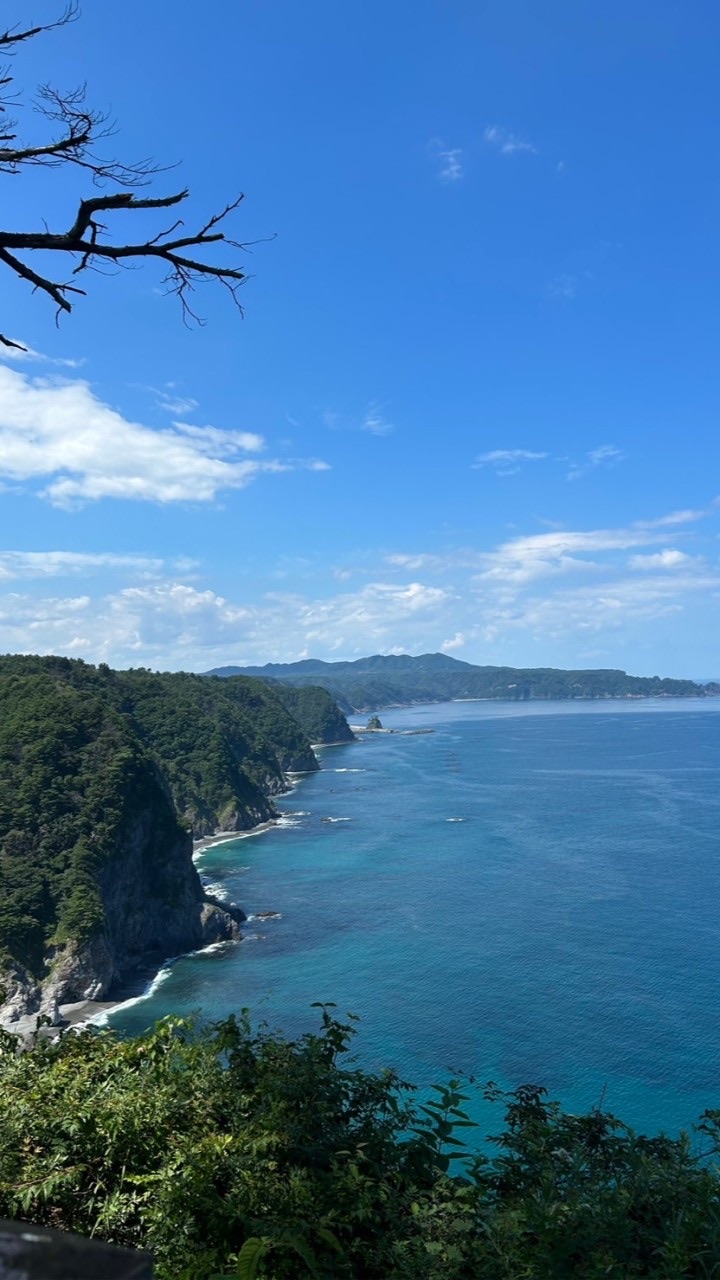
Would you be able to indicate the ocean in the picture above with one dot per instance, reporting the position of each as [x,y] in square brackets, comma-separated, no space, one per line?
[529,894]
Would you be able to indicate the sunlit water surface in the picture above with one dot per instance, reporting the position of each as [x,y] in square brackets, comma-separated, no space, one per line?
[530,893]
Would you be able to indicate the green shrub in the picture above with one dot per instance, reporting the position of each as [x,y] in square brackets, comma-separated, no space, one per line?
[228,1152]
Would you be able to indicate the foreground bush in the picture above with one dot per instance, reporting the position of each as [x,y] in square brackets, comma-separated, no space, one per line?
[227,1152]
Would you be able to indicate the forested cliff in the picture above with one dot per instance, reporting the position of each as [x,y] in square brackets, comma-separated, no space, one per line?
[104,778]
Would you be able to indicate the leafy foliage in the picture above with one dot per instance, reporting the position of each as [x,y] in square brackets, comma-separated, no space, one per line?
[229,1152]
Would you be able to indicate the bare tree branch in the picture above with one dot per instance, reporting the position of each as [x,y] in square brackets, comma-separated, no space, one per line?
[8,342]
[88,241]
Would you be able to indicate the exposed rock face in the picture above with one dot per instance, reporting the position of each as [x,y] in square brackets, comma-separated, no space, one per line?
[104,778]
[20,993]
[154,905]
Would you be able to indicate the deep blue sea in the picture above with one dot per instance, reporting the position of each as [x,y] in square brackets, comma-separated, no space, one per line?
[531,893]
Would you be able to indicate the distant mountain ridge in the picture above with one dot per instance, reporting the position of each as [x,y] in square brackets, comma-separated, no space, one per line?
[386,662]
[384,680]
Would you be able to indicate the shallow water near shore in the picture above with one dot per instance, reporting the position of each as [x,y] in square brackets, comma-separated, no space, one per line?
[528,894]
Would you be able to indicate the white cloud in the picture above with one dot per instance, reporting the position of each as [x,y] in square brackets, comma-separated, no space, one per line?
[450,160]
[506,462]
[505,142]
[375,422]
[218,443]
[605,455]
[559,589]
[171,624]
[28,565]
[607,608]
[670,558]
[687,516]
[60,564]
[60,431]
[174,403]
[23,353]
[452,168]
[541,555]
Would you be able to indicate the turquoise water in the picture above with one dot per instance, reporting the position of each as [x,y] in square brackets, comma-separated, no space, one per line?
[529,894]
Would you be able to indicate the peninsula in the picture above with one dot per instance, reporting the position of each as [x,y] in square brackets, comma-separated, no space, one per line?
[391,680]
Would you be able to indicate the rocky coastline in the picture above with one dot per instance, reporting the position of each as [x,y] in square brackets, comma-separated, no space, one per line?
[152,910]
[104,779]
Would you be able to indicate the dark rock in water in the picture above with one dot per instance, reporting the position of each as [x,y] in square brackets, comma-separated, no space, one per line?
[218,925]
[267,915]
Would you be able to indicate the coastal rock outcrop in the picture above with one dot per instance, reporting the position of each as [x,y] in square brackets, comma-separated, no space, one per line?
[154,906]
[105,777]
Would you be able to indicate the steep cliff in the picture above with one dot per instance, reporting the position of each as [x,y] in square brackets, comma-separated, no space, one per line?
[96,871]
[317,713]
[104,778]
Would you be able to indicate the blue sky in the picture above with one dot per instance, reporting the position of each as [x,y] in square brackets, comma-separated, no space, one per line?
[472,404]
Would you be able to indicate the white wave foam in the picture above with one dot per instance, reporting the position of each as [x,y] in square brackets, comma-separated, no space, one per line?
[348,770]
[101,1019]
[454,819]
[337,819]
[216,890]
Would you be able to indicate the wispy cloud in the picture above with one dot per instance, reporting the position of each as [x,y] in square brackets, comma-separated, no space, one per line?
[505,142]
[505,462]
[450,160]
[23,354]
[605,455]
[373,420]
[26,565]
[530,599]
[219,443]
[59,431]
[169,400]
[564,286]
[542,555]
[689,515]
